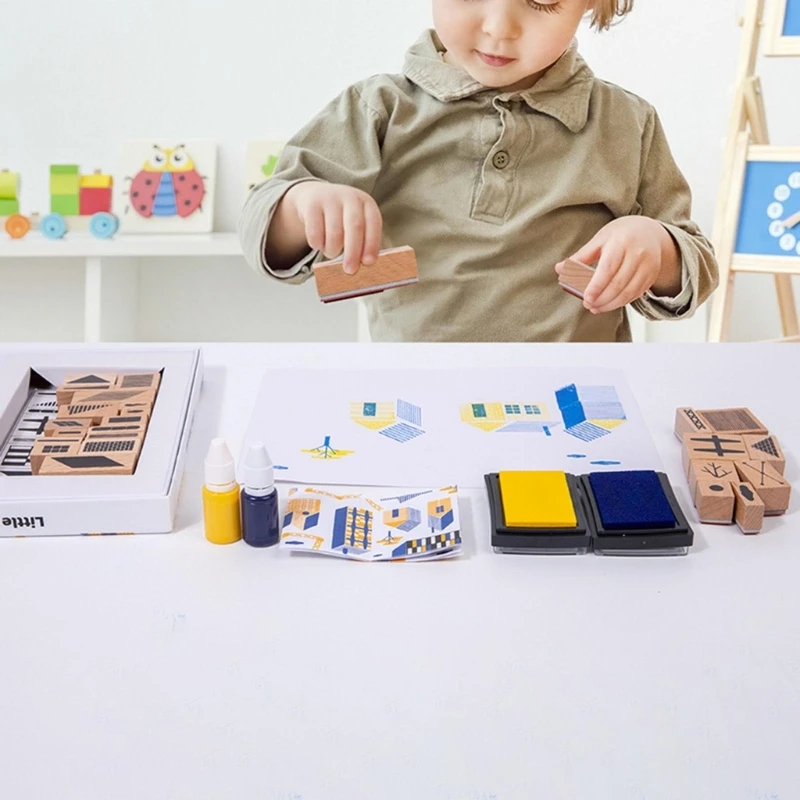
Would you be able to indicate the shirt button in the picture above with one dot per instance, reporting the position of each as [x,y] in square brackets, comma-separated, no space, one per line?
[500,159]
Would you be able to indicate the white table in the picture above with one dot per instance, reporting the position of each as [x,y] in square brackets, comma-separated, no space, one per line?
[164,667]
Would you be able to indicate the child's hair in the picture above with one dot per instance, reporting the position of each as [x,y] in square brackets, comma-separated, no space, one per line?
[604,11]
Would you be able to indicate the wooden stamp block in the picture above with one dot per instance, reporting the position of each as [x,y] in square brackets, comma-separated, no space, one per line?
[769,484]
[94,412]
[732,420]
[96,434]
[396,267]
[52,446]
[128,409]
[714,501]
[119,396]
[766,448]
[89,464]
[68,427]
[111,444]
[144,380]
[134,429]
[711,470]
[90,381]
[687,421]
[576,277]
[712,446]
[135,418]
[750,508]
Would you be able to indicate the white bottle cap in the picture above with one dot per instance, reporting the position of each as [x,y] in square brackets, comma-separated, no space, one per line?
[220,471]
[259,479]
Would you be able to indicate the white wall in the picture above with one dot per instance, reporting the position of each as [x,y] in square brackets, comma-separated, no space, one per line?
[77,78]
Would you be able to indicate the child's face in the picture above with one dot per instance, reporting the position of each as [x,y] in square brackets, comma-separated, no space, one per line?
[506,43]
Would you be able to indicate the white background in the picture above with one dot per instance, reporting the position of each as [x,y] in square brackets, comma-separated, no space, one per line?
[79,78]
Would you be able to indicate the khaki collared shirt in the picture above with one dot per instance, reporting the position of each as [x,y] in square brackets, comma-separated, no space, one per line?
[492,189]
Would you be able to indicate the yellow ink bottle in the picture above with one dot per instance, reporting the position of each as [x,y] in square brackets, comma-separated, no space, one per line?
[221,496]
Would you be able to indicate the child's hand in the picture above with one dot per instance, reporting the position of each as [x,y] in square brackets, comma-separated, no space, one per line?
[338,218]
[633,254]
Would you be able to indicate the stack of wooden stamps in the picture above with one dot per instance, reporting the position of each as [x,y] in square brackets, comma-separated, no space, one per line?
[100,426]
[734,466]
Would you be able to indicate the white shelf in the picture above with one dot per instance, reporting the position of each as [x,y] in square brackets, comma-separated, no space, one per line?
[84,245]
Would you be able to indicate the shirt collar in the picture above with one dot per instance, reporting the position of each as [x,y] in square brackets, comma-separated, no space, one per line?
[563,92]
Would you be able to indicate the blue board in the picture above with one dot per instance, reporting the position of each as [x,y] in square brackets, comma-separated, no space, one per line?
[791,24]
[771,195]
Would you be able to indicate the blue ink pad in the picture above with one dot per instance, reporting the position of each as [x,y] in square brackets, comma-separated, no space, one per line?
[629,500]
[635,513]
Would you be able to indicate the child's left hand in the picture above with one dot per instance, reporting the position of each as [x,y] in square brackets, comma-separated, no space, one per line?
[633,254]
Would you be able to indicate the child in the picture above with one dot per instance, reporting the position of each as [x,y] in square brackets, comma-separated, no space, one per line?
[495,155]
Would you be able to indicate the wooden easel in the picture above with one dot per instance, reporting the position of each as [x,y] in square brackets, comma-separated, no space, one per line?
[748,117]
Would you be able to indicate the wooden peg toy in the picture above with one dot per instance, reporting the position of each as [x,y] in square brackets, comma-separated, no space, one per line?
[576,277]
[394,268]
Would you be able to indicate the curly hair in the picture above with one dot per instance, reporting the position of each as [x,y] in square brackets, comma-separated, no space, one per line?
[603,12]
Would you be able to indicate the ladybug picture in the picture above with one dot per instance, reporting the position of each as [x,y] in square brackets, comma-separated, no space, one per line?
[168,185]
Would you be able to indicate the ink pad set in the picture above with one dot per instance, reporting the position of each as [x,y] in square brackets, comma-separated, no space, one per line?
[82,494]
[612,513]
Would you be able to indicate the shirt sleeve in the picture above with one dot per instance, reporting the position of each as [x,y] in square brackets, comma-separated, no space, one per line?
[342,144]
[664,196]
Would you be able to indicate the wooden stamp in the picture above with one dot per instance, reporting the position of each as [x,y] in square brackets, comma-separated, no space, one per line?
[750,508]
[94,412]
[766,448]
[52,446]
[769,484]
[394,268]
[90,381]
[687,421]
[96,434]
[89,464]
[144,380]
[119,396]
[711,470]
[715,502]
[732,420]
[707,446]
[134,429]
[68,427]
[576,277]
[137,418]
[128,409]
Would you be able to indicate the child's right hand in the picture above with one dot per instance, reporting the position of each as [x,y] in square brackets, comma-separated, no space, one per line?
[338,218]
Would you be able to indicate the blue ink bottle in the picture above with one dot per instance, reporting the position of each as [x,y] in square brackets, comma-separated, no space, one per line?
[260,520]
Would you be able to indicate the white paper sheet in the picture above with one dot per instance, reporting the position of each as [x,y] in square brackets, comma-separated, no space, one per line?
[432,427]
